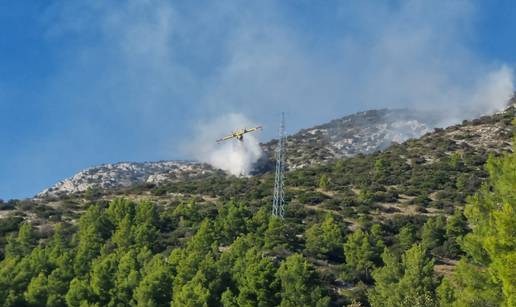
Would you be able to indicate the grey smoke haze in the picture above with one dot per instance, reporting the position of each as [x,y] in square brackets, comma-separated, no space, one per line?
[162,59]
[412,55]
[136,77]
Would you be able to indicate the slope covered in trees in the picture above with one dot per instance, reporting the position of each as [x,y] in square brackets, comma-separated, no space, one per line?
[379,230]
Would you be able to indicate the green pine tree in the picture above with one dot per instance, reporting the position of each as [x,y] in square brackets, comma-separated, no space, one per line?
[324,238]
[155,288]
[406,238]
[323,182]
[257,283]
[360,252]
[488,276]
[102,278]
[299,284]
[409,283]
[37,291]
[78,292]
[434,233]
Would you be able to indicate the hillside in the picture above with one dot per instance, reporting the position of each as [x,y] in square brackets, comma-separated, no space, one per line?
[360,133]
[364,132]
[110,176]
[196,239]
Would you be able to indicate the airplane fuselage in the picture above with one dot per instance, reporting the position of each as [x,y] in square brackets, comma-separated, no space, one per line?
[239,134]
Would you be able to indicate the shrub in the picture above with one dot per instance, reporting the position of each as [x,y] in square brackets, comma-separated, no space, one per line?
[311,197]
[9,224]
[6,206]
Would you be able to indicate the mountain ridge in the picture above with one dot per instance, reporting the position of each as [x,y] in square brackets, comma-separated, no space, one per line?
[362,132]
[359,133]
[111,175]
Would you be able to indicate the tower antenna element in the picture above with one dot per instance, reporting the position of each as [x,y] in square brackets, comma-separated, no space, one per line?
[278,202]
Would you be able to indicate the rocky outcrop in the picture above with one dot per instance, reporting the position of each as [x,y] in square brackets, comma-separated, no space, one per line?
[360,133]
[108,176]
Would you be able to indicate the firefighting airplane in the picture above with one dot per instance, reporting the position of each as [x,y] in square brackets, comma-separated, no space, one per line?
[239,134]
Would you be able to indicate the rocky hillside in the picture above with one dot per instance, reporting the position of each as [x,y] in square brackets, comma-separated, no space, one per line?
[363,132]
[419,164]
[110,176]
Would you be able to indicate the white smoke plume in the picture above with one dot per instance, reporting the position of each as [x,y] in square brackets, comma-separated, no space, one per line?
[490,93]
[495,92]
[233,156]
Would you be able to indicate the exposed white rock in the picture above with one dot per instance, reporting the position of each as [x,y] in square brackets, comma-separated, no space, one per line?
[364,132]
[125,174]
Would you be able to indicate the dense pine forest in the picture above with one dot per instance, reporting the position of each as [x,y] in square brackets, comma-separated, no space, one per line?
[430,222]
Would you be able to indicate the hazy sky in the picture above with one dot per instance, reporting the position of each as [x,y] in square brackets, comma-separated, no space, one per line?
[90,82]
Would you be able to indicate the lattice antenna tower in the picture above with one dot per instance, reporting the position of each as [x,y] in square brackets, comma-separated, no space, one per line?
[278,202]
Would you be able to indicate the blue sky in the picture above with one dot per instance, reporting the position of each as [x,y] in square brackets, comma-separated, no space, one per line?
[90,82]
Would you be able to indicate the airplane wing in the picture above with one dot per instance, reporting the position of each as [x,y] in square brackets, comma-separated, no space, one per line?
[253,129]
[225,138]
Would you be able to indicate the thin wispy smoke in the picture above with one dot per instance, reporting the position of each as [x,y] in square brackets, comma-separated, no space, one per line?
[158,59]
[233,156]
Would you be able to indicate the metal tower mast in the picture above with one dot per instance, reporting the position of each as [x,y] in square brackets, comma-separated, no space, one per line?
[278,202]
